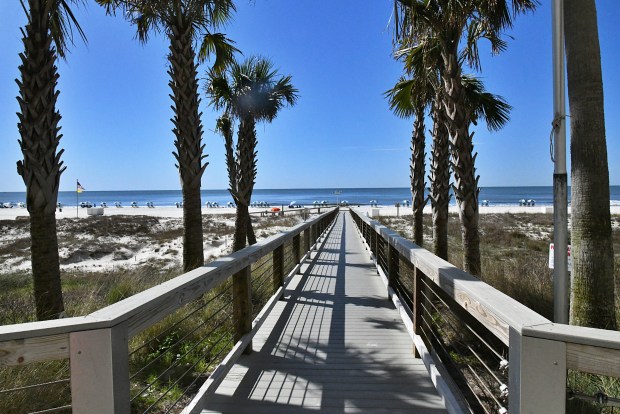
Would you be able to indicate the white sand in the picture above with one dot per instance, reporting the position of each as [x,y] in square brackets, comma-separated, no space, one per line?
[168,212]
[109,252]
[173,212]
[393,211]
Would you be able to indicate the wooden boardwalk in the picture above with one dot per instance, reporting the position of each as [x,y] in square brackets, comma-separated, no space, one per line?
[334,344]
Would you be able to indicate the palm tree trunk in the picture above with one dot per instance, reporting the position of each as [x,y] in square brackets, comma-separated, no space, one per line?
[41,167]
[241,226]
[183,73]
[463,163]
[417,176]
[440,181]
[250,231]
[47,286]
[246,156]
[592,298]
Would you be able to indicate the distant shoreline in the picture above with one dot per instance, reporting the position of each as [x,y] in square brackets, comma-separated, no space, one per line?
[495,196]
[177,213]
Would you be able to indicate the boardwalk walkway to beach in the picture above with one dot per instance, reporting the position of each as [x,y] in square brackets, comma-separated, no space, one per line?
[333,344]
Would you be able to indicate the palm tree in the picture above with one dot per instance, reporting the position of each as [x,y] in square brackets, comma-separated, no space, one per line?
[453,23]
[50,27]
[411,97]
[423,60]
[592,297]
[187,24]
[403,100]
[250,92]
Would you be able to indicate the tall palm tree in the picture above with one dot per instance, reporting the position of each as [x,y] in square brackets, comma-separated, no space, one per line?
[188,24]
[592,293]
[458,25]
[45,37]
[250,92]
[405,97]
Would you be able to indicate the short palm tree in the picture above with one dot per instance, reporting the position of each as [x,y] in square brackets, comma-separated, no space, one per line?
[187,24]
[457,26]
[423,61]
[45,38]
[249,92]
[411,98]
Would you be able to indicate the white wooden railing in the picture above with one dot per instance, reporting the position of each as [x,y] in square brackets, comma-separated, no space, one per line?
[539,352]
[97,344]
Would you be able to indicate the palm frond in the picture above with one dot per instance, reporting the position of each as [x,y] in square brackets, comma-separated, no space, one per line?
[221,46]
[399,98]
[492,108]
[62,22]
[251,89]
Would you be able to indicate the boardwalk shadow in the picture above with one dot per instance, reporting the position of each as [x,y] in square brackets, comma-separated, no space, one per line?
[338,347]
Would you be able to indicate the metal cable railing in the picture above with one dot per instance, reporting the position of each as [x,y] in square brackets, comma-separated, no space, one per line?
[474,357]
[41,387]
[165,366]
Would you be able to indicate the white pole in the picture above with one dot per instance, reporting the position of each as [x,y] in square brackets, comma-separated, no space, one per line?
[561,283]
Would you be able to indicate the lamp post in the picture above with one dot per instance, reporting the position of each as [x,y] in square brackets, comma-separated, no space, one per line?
[561,285]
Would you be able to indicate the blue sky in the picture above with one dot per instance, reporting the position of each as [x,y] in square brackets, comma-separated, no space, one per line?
[116,110]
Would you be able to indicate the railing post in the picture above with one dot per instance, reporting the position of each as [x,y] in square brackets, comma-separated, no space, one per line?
[392,267]
[307,240]
[537,376]
[242,304]
[99,361]
[278,267]
[375,243]
[296,246]
[417,305]
[313,235]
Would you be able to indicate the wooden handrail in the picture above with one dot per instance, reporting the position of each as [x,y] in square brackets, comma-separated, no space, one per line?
[497,311]
[540,351]
[48,340]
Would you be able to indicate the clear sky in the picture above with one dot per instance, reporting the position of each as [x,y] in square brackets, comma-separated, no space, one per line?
[116,110]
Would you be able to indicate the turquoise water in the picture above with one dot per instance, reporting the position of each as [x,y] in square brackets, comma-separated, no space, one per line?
[383,196]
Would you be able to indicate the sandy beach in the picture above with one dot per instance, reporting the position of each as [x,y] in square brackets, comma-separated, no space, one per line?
[393,211]
[164,212]
[174,212]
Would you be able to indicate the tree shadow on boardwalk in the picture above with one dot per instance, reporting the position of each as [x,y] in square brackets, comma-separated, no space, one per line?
[337,347]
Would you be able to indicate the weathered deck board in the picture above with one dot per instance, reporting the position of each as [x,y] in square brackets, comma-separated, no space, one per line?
[334,344]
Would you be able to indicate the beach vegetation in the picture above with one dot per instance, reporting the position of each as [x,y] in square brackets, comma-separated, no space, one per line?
[455,28]
[169,360]
[189,27]
[46,37]
[250,91]
[593,284]
[515,260]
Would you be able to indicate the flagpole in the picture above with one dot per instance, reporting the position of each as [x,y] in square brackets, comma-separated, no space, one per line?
[561,285]
[77,200]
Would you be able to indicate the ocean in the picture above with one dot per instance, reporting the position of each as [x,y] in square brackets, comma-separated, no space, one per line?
[499,196]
